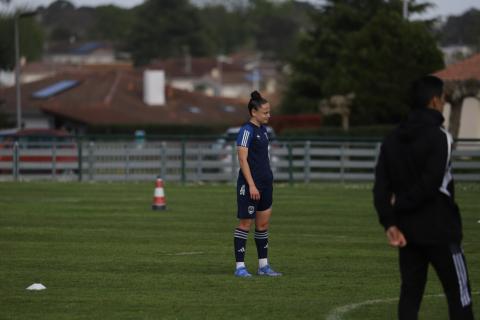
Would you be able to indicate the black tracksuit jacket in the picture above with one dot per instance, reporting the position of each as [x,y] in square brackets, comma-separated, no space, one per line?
[414,165]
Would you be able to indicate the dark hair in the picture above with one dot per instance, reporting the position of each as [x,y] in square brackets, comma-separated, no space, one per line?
[424,90]
[256,101]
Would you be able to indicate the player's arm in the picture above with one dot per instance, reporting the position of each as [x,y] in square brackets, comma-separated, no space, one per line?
[242,160]
[384,200]
[382,193]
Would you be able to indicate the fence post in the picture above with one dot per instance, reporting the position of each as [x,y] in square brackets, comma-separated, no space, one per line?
[290,163]
[54,160]
[199,162]
[184,176]
[306,169]
[163,159]
[342,162]
[377,151]
[234,161]
[90,160]
[80,160]
[16,160]
[127,161]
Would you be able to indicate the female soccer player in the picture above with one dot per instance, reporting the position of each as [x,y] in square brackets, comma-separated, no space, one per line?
[254,187]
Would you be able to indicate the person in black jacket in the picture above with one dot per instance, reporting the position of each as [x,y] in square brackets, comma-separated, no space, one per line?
[415,200]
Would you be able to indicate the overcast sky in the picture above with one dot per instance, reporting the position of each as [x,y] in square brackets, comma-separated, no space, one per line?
[442,7]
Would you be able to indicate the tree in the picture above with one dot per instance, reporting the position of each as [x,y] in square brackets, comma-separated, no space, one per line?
[363,47]
[462,30]
[31,40]
[165,29]
[226,28]
[63,21]
[276,26]
[5,121]
[112,23]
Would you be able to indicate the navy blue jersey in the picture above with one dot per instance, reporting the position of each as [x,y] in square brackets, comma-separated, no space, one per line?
[256,140]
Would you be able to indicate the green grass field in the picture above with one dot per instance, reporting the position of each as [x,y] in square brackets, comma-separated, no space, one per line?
[103,253]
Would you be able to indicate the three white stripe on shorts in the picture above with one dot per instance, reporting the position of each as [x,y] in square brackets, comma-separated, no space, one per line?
[246,134]
[462,279]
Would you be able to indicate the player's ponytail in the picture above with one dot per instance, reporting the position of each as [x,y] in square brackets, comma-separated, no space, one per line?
[256,101]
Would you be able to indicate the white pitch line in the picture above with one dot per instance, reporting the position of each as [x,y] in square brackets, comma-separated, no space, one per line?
[338,313]
[191,253]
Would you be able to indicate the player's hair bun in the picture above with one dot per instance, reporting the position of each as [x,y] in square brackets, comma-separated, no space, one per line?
[256,101]
[255,95]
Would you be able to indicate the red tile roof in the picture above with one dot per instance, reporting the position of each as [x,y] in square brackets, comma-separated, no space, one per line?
[199,67]
[463,70]
[108,97]
[48,67]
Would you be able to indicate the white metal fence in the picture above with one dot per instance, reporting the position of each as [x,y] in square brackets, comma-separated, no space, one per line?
[194,161]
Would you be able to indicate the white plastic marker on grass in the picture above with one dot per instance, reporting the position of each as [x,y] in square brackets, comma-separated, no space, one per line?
[37,286]
[338,313]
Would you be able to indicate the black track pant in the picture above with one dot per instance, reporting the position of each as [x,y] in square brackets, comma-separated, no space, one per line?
[449,264]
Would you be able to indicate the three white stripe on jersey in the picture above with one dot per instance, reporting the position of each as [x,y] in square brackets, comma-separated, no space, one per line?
[448,167]
[246,134]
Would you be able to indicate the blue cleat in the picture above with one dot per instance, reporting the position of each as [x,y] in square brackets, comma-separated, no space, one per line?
[242,273]
[267,271]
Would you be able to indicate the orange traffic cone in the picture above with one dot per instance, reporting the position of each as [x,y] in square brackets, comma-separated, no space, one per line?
[159,202]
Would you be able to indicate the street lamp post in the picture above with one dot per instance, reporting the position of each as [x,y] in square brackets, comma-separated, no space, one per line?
[16,18]
[17,73]
[405,9]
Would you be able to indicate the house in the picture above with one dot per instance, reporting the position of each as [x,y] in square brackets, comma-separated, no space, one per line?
[462,86]
[87,53]
[87,100]
[455,53]
[29,72]
[233,76]
[61,57]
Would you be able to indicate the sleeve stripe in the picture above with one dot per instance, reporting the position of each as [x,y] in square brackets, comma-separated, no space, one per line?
[246,134]
[448,175]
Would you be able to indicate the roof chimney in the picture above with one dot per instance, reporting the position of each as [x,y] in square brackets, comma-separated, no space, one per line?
[154,87]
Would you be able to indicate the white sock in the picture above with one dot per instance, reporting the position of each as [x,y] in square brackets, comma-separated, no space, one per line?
[262,262]
[240,265]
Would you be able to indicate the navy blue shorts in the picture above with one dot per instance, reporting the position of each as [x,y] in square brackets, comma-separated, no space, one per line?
[247,208]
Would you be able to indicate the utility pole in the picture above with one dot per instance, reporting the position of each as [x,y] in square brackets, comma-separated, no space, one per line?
[17,72]
[219,89]
[405,9]
[17,16]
